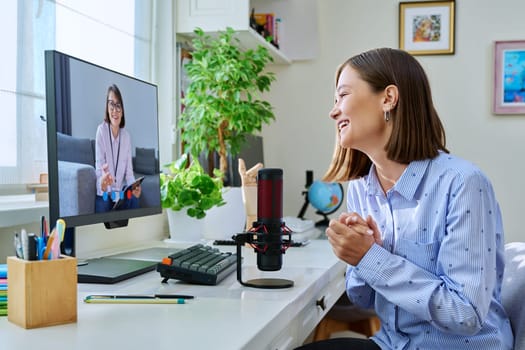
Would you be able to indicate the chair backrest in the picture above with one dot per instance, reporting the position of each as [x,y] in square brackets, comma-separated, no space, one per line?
[512,290]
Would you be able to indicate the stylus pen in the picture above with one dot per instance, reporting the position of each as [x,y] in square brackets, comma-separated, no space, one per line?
[130,296]
[127,300]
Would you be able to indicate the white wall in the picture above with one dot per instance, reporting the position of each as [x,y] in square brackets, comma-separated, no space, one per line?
[462,88]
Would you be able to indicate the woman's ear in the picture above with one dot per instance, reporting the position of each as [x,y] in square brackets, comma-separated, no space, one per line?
[391,96]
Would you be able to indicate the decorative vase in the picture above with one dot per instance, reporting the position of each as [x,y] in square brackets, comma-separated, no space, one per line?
[230,219]
[184,228]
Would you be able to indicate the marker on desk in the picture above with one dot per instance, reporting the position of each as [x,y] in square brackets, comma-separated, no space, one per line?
[32,246]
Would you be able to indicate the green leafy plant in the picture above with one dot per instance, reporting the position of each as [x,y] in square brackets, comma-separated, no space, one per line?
[190,187]
[222,103]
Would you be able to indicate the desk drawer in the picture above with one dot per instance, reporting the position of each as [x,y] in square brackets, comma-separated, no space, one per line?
[319,306]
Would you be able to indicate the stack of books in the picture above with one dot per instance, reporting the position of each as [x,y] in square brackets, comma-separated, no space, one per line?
[3,289]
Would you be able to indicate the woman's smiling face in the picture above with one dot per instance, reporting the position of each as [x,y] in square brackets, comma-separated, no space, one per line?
[358,113]
[114,109]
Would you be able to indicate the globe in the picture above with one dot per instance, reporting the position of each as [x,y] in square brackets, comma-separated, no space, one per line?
[326,197]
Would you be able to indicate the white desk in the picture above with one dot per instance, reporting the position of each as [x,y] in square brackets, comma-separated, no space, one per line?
[225,316]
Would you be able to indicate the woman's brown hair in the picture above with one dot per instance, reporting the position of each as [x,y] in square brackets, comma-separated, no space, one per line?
[417,131]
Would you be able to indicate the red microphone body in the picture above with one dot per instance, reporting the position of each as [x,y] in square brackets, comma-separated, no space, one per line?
[269,223]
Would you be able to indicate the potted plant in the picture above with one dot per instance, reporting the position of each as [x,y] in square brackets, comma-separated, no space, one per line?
[222,105]
[187,189]
[222,102]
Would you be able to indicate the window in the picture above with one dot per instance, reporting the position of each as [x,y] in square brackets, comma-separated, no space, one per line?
[116,34]
[8,23]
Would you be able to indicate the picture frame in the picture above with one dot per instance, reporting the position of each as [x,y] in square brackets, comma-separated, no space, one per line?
[509,77]
[427,27]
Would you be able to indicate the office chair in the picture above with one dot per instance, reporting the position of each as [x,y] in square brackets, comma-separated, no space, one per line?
[512,290]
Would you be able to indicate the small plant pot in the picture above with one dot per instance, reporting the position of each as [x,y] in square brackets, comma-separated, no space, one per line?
[184,228]
[230,219]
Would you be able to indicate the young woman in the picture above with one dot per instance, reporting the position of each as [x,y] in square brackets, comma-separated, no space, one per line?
[114,166]
[423,236]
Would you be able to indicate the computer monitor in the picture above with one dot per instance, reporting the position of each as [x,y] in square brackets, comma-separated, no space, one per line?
[81,146]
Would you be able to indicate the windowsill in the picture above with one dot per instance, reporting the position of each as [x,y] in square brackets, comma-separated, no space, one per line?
[21,209]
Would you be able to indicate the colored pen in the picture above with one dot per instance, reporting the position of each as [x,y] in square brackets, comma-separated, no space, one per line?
[97,299]
[42,226]
[46,231]
[40,247]
[49,245]
[140,296]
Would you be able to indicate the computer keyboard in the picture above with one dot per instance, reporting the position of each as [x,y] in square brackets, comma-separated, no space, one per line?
[199,264]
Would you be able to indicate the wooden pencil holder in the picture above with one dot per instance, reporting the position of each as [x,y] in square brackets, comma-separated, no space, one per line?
[42,293]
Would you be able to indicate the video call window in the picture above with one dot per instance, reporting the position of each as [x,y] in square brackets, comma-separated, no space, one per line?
[102,143]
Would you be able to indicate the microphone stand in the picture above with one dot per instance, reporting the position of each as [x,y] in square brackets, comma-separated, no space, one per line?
[267,283]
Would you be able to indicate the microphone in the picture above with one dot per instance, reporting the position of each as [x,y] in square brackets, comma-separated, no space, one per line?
[266,234]
[269,223]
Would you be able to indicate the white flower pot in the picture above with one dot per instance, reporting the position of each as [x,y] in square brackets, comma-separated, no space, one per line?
[230,219]
[184,228]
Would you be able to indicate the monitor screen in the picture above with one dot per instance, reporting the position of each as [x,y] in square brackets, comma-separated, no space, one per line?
[103,144]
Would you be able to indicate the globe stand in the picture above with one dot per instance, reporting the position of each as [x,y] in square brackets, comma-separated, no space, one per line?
[325,220]
[305,205]
[266,283]
[309,180]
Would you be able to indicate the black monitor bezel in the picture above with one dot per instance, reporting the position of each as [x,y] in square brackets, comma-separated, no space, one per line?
[52,59]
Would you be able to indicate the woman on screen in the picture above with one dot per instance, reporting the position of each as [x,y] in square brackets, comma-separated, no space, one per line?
[113,161]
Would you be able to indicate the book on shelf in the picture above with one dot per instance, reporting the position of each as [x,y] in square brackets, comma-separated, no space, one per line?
[267,25]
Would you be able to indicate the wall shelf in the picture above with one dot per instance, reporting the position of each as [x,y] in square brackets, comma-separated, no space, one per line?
[299,39]
[250,39]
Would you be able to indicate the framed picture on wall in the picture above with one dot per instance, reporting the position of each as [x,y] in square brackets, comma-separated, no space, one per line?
[509,77]
[427,27]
